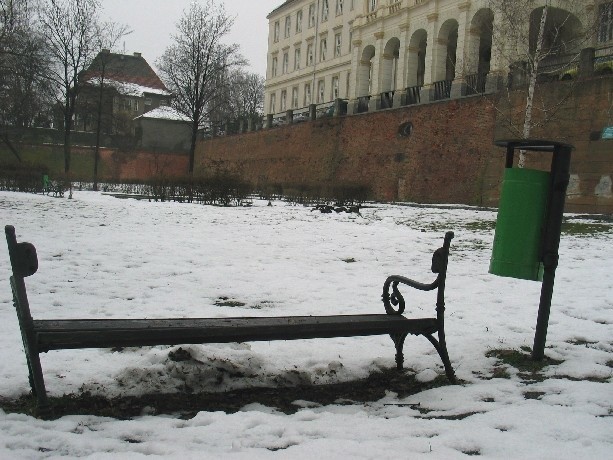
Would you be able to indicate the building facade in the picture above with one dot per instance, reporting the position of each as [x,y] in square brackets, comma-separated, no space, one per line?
[380,54]
[130,89]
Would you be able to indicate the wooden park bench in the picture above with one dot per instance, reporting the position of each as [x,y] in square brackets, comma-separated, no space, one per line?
[54,334]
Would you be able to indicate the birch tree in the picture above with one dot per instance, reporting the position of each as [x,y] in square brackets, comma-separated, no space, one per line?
[195,67]
[541,42]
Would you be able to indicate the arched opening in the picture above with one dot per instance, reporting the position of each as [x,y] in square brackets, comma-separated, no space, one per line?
[416,65]
[364,77]
[389,71]
[561,44]
[479,52]
[445,59]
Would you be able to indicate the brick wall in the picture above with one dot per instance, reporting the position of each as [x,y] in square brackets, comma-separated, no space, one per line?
[441,161]
[448,158]
[586,109]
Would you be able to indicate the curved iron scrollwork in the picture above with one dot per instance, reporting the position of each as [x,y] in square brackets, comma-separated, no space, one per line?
[395,298]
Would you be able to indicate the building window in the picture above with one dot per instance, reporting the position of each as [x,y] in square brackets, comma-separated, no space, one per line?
[324,10]
[298,21]
[294,98]
[372,5]
[297,59]
[351,5]
[164,102]
[323,47]
[148,101]
[350,40]
[288,26]
[283,100]
[337,45]
[339,7]
[285,62]
[275,64]
[307,94]
[605,31]
[276,32]
[321,88]
[335,88]
[273,101]
[312,15]
[310,56]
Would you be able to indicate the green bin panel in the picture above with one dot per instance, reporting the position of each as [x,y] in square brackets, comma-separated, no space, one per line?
[521,216]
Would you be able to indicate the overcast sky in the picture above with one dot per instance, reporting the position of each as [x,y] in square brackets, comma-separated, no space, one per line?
[153,22]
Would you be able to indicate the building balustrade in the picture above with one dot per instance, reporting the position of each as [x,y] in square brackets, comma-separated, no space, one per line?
[386,100]
[395,6]
[412,95]
[362,105]
[441,90]
[475,83]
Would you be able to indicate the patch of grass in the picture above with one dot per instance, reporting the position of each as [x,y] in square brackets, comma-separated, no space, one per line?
[480,225]
[533,394]
[589,378]
[585,228]
[529,369]
[349,261]
[227,302]
[520,360]
[609,363]
[263,304]
[453,417]
[582,342]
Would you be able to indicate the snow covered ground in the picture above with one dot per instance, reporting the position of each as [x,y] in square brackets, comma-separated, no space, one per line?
[102,257]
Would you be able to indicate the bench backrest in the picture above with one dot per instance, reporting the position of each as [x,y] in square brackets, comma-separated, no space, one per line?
[24,263]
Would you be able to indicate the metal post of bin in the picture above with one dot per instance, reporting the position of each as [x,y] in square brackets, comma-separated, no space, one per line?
[550,242]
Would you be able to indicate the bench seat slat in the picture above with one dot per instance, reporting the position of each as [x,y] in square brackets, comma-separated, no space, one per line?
[108,333]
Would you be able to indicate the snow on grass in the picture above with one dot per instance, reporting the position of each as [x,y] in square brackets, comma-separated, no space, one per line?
[101,257]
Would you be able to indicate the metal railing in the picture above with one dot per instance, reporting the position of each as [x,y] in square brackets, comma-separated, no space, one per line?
[412,95]
[475,83]
[363,102]
[442,89]
[387,100]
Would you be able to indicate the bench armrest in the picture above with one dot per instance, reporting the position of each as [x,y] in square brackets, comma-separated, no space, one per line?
[395,298]
[439,266]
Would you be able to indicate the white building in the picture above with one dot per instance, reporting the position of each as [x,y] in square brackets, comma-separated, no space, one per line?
[387,53]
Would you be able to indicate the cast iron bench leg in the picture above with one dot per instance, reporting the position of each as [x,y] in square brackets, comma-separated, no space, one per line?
[399,343]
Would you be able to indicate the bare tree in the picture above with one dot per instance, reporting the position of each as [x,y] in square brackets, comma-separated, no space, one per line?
[196,65]
[540,42]
[23,88]
[71,29]
[247,90]
[107,37]
[242,99]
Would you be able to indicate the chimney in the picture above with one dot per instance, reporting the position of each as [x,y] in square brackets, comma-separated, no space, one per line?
[137,55]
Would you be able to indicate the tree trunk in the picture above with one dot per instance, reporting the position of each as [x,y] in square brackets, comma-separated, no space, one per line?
[98,131]
[532,86]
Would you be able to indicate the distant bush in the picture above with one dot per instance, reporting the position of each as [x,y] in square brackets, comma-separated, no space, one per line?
[340,194]
[222,189]
[22,177]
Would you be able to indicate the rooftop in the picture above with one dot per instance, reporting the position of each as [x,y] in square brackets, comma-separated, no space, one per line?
[125,68]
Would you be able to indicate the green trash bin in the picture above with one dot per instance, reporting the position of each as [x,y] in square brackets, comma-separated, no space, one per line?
[519,226]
